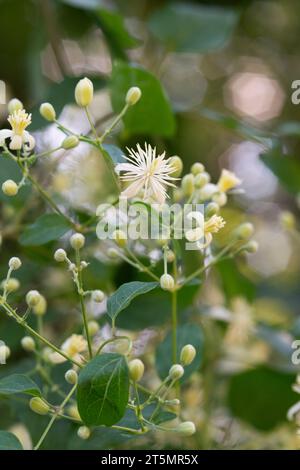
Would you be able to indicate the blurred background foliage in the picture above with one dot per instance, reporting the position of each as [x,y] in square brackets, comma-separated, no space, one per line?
[216,80]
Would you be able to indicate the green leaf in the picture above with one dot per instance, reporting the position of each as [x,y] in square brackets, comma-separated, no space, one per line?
[112,25]
[152,114]
[285,167]
[186,334]
[154,308]
[103,389]
[124,295]
[10,170]
[261,397]
[114,153]
[8,441]
[234,282]
[193,28]
[18,383]
[46,228]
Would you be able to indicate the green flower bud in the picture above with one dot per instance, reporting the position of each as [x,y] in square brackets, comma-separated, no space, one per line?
[84,92]
[167,282]
[28,343]
[14,105]
[14,263]
[187,354]
[136,369]
[220,199]
[41,307]
[244,231]
[187,184]
[47,112]
[71,376]
[83,432]
[201,179]
[251,247]
[39,406]
[33,297]
[133,95]
[93,327]
[10,285]
[176,372]
[70,142]
[187,428]
[177,164]
[211,209]
[197,168]
[77,241]
[10,188]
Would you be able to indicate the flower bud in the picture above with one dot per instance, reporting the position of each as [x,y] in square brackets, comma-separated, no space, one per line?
[14,263]
[177,164]
[244,231]
[211,209]
[41,307]
[84,92]
[201,179]
[60,255]
[187,354]
[28,343]
[93,327]
[167,282]
[73,412]
[14,105]
[136,369]
[220,199]
[176,372]
[197,168]
[83,264]
[10,188]
[133,95]
[98,295]
[4,351]
[47,112]
[39,406]
[112,253]
[187,184]
[120,238]
[178,194]
[77,241]
[71,376]
[287,220]
[70,142]
[10,285]
[251,246]
[83,432]
[170,256]
[32,298]
[187,428]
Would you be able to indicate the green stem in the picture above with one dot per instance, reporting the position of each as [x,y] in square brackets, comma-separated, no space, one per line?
[88,115]
[174,326]
[54,417]
[114,123]
[82,305]
[112,340]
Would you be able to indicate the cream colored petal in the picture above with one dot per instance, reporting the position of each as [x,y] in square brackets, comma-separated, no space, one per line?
[16,142]
[133,189]
[4,134]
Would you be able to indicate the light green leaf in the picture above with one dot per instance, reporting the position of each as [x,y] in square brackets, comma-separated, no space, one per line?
[103,389]
[193,28]
[123,296]
[46,228]
[152,114]
[18,383]
[186,334]
[8,441]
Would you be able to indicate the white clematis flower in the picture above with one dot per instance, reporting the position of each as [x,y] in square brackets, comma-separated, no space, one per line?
[147,171]
[73,346]
[18,120]
[204,228]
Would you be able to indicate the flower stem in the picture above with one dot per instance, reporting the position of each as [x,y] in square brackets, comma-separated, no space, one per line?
[174,326]
[82,305]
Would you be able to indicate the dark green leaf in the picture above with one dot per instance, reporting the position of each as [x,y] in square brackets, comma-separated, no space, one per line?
[124,295]
[46,228]
[18,383]
[103,389]
[112,25]
[186,334]
[152,114]
[234,282]
[10,170]
[8,441]
[261,397]
[193,28]
[285,167]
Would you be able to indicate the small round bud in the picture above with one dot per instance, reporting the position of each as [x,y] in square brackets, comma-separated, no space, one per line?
[60,255]
[187,428]
[167,282]
[4,352]
[133,95]
[98,295]
[177,164]
[10,188]
[84,92]
[71,376]
[15,263]
[14,105]
[176,372]
[77,241]
[173,402]
[83,264]
[120,238]
[112,253]
[287,220]
[244,231]
[41,307]
[47,112]
[211,209]
[10,285]
[220,199]
[28,343]
[201,179]
[70,142]
[170,256]
[251,247]
[33,297]
[93,327]
[39,406]
[187,184]
[187,354]
[197,168]
[83,432]
[136,369]
[178,194]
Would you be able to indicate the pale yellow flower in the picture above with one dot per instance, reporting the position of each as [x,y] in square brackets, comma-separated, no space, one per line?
[19,121]
[73,346]
[228,180]
[148,172]
[204,228]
